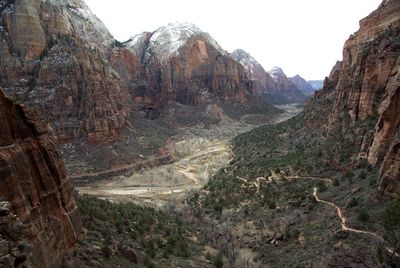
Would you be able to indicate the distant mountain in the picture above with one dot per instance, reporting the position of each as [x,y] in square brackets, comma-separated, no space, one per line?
[262,81]
[166,41]
[316,84]
[181,63]
[274,84]
[285,91]
[302,85]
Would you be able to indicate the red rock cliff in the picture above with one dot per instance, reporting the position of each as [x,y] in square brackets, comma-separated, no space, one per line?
[367,83]
[53,56]
[181,63]
[39,221]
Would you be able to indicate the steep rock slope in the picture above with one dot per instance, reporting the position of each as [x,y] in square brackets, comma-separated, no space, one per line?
[53,55]
[275,84]
[184,64]
[368,85]
[40,222]
[285,89]
[305,87]
[261,80]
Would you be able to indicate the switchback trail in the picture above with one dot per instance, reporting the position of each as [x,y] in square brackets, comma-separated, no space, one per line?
[340,214]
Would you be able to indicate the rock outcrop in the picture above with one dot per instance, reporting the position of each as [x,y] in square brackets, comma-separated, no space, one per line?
[54,56]
[39,221]
[367,85]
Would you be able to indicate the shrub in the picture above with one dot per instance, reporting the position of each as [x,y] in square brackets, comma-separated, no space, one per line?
[348,175]
[272,204]
[353,203]
[106,251]
[336,182]
[217,261]
[322,186]
[362,175]
[363,215]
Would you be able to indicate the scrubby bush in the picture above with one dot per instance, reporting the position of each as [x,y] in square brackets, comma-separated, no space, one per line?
[218,261]
[363,215]
[362,175]
[353,203]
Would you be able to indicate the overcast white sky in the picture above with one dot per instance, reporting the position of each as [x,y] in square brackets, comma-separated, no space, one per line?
[303,37]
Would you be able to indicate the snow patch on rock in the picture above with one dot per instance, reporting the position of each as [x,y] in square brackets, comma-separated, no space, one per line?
[276,73]
[166,41]
[89,25]
[246,60]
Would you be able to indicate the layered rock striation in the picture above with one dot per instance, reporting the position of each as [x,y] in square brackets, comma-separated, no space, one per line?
[181,63]
[39,221]
[54,55]
[367,85]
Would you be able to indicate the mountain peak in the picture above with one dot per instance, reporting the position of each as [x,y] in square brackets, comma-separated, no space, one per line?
[247,61]
[240,52]
[166,40]
[276,72]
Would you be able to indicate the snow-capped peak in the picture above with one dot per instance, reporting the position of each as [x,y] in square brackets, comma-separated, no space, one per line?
[246,60]
[166,40]
[276,72]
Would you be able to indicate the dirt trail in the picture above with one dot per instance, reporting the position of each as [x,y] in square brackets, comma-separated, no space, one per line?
[340,214]
[342,218]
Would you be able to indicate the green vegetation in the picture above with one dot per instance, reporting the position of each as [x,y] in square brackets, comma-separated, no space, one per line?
[260,195]
[127,233]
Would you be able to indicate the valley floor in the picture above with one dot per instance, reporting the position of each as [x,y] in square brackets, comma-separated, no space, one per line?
[198,152]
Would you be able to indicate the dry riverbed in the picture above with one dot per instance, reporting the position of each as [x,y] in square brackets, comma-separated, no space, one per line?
[199,151]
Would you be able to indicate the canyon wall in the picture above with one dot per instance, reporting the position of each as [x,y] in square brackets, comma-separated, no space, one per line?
[54,56]
[39,221]
[366,85]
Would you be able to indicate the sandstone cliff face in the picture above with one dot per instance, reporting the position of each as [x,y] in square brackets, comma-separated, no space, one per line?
[261,81]
[367,84]
[53,56]
[200,69]
[180,63]
[39,221]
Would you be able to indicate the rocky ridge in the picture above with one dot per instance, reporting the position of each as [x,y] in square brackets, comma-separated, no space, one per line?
[40,223]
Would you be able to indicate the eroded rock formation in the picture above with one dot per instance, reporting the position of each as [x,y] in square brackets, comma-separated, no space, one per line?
[39,221]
